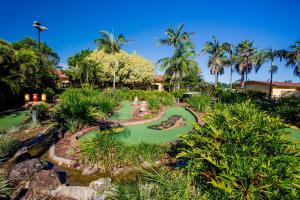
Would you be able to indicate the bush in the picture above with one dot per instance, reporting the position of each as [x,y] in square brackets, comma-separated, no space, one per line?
[179,93]
[83,106]
[8,147]
[242,153]
[153,103]
[5,187]
[199,102]
[164,97]
[159,184]
[112,153]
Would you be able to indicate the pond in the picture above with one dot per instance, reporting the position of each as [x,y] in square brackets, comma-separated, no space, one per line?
[136,134]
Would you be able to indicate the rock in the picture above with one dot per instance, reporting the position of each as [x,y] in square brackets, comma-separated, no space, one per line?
[44,179]
[101,184]
[26,169]
[86,171]
[136,101]
[75,192]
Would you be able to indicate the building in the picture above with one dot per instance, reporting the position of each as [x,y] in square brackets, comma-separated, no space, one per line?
[279,89]
[158,83]
[62,79]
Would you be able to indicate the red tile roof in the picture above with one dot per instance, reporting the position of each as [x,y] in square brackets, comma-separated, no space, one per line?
[60,74]
[275,83]
[159,78]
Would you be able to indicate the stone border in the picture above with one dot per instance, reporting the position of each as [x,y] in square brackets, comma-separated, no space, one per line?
[198,119]
[59,160]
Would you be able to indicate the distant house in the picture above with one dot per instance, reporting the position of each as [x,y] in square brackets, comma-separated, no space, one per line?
[158,83]
[279,89]
[62,79]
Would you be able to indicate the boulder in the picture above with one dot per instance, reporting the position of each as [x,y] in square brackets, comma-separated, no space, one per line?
[74,192]
[101,184]
[26,169]
[44,179]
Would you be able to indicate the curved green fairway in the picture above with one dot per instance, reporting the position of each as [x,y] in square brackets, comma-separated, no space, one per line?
[12,119]
[124,112]
[136,134]
[294,135]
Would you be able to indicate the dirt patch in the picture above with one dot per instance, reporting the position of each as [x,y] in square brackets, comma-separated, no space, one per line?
[63,147]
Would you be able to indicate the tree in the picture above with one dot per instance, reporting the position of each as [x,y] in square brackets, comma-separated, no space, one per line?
[132,68]
[182,61]
[79,66]
[269,55]
[111,45]
[292,57]
[217,59]
[245,59]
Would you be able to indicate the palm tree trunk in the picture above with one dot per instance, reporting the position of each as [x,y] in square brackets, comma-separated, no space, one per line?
[178,85]
[231,77]
[216,79]
[271,81]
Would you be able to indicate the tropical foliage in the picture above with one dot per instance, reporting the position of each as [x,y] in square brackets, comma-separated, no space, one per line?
[217,57]
[242,153]
[200,102]
[293,57]
[182,62]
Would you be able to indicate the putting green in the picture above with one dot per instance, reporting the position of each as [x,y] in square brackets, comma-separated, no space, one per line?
[136,134]
[12,119]
[294,135]
[124,112]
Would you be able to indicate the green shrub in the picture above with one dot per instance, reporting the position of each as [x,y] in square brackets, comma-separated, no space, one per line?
[5,187]
[8,147]
[153,103]
[242,153]
[113,153]
[159,184]
[83,106]
[179,93]
[199,102]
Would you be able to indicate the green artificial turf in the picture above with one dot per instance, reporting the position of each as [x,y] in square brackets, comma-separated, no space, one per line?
[136,134]
[10,120]
[124,112]
[294,135]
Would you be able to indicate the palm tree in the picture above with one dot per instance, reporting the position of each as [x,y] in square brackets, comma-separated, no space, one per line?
[269,55]
[111,45]
[179,65]
[217,59]
[293,57]
[245,60]
[182,61]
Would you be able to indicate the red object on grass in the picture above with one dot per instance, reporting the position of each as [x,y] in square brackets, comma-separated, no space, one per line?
[35,97]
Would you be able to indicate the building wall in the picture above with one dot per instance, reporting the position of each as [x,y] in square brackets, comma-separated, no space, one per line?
[258,88]
[159,86]
[278,92]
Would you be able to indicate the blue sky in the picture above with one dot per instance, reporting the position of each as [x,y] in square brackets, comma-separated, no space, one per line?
[74,25]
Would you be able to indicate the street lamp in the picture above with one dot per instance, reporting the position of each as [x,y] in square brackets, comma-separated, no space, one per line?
[40,28]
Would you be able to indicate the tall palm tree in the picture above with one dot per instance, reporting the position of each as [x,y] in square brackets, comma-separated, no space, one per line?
[179,64]
[217,59]
[111,45]
[292,57]
[245,60]
[269,55]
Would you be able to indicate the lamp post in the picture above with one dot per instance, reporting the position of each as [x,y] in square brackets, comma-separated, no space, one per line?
[40,28]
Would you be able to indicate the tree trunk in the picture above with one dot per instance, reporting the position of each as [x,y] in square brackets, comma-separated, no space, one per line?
[216,79]
[271,81]
[231,77]
[178,85]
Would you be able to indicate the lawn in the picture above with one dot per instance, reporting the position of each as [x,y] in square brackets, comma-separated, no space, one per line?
[10,120]
[136,134]
[124,112]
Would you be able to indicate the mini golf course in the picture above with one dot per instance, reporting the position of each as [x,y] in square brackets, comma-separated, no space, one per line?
[136,134]
[294,135]
[124,112]
[13,119]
